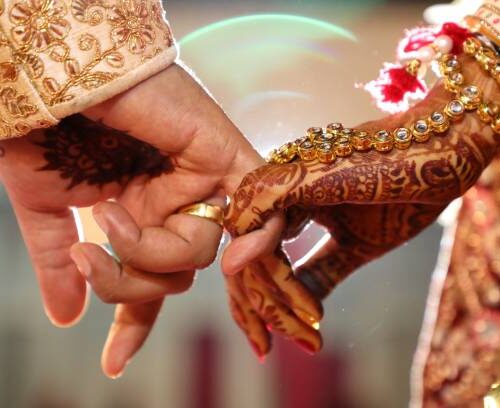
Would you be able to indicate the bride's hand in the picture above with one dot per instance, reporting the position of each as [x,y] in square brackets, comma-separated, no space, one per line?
[406,191]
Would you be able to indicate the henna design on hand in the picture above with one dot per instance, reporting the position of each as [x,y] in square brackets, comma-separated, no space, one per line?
[434,172]
[85,151]
[361,234]
[406,191]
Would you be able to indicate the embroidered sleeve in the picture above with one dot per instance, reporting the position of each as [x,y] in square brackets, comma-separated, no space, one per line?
[59,57]
[486,20]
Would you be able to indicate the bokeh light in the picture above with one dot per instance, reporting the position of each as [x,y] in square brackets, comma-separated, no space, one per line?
[250,62]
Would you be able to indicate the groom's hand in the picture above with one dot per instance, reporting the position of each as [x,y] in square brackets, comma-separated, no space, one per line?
[49,171]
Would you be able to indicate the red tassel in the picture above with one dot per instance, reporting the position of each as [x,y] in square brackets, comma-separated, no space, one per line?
[457,34]
[395,87]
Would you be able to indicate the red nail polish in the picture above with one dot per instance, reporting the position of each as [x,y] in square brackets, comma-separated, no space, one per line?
[260,355]
[306,346]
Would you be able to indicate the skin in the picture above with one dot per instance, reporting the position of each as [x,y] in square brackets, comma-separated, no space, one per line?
[370,202]
[185,125]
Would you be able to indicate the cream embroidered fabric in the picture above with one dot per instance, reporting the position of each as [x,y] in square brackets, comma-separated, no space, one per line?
[487,20]
[58,57]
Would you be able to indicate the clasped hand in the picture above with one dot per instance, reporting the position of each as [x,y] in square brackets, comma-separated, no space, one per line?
[167,161]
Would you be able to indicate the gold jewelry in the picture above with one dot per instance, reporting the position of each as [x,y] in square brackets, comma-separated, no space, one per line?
[326,154]
[492,399]
[203,210]
[343,146]
[325,145]
[485,21]
[307,152]
[421,131]
[439,122]
[383,141]
[402,138]
[361,141]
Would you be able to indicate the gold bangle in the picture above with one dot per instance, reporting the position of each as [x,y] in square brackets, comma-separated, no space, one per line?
[203,210]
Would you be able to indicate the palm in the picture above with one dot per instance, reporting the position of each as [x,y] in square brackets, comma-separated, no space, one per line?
[79,164]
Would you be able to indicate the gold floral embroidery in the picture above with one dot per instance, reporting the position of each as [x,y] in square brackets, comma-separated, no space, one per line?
[16,105]
[85,76]
[39,23]
[132,25]
[8,72]
[48,40]
[88,11]
[8,130]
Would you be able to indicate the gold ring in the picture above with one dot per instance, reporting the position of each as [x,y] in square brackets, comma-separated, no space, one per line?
[203,210]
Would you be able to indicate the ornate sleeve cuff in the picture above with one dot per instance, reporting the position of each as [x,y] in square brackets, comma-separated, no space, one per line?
[486,20]
[59,57]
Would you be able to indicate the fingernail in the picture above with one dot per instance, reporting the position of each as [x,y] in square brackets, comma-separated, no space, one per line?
[81,261]
[260,355]
[116,376]
[306,346]
[101,220]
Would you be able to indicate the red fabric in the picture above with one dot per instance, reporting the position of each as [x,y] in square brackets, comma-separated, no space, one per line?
[420,37]
[401,82]
[457,34]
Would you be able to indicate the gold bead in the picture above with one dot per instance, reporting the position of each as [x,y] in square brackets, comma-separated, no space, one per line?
[454,82]
[325,138]
[361,141]
[288,152]
[486,58]
[487,112]
[326,154]
[472,45]
[347,132]
[272,156]
[402,138]
[314,131]
[449,64]
[334,128]
[413,66]
[455,109]
[383,141]
[301,140]
[421,131]
[307,152]
[343,147]
[471,97]
[439,122]
[495,125]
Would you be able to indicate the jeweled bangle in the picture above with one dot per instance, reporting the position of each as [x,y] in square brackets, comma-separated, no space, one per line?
[326,145]
[486,21]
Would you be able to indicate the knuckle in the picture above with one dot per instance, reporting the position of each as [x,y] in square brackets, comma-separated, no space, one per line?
[108,295]
[185,282]
[205,257]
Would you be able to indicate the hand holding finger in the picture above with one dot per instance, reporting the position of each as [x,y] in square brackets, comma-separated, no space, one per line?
[183,242]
